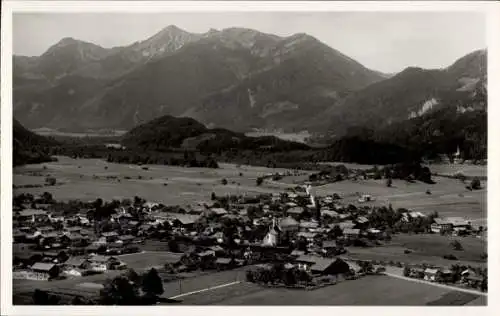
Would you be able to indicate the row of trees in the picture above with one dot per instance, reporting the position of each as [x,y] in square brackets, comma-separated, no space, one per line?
[277,273]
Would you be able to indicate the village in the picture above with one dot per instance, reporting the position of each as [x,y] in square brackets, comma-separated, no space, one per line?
[290,239]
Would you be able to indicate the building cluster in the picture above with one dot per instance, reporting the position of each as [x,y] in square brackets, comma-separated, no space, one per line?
[294,225]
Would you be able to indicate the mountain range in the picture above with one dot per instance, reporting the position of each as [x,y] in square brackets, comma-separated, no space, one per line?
[235,78]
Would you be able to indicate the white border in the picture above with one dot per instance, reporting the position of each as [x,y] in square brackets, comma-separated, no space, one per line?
[492,10]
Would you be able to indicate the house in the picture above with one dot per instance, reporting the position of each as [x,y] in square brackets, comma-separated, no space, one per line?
[331,248]
[365,198]
[95,248]
[56,257]
[73,230]
[329,213]
[126,239]
[18,236]
[345,225]
[225,263]
[44,271]
[110,236]
[45,230]
[373,232]
[308,226]
[441,225]
[289,225]
[323,266]
[104,263]
[74,240]
[471,278]
[309,236]
[77,263]
[185,221]
[31,215]
[219,211]
[351,233]
[431,274]
[459,223]
[295,212]
[361,222]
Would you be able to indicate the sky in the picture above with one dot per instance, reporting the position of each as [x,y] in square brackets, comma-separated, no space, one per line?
[383,41]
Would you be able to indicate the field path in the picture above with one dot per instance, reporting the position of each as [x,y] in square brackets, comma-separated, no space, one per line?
[206,289]
[444,286]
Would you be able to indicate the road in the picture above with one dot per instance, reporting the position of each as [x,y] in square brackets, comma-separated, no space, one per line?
[398,273]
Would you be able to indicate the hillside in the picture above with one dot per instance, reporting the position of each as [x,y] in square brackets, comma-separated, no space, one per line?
[254,79]
[170,133]
[29,147]
[408,94]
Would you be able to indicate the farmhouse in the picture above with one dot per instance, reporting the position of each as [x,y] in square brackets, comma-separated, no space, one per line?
[431,274]
[441,225]
[323,266]
[351,233]
[295,212]
[224,263]
[110,236]
[31,215]
[44,271]
[289,224]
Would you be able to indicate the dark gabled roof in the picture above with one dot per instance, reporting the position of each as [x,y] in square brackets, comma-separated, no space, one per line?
[109,234]
[31,212]
[40,266]
[75,261]
[223,260]
[351,231]
[126,237]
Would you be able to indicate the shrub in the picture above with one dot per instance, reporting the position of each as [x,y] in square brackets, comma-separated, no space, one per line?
[407,251]
[250,276]
[460,176]
[456,245]
[224,181]
[50,181]
[475,184]
[450,257]
[406,271]
[259,181]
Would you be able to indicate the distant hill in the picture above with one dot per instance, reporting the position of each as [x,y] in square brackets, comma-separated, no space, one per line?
[29,147]
[171,133]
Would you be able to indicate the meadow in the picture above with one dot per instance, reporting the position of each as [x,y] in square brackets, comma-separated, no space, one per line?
[89,179]
[425,248]
[369,290]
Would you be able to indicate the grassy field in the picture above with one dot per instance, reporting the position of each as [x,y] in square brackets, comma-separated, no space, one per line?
[166,184]
[88,179]
[370,290]
[428,248]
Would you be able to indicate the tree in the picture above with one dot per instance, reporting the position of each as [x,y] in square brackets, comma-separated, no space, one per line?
[173,246]
[388,182]
[224,181]
[152,284]
[40,297]
[456,245]
[50,181]
[133,276]
[336,231]
[259,181]
[213,197]
[119,291]
[406,271]
[475,184]
[47,198]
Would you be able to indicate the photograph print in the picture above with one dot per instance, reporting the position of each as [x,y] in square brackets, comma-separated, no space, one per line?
[249,158]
